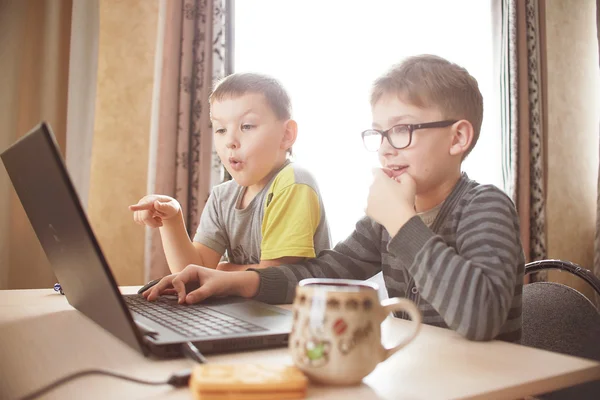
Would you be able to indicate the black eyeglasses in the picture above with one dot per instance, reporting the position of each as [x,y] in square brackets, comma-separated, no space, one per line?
[399,136]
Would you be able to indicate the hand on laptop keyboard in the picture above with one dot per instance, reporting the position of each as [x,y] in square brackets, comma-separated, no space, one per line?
[212,283]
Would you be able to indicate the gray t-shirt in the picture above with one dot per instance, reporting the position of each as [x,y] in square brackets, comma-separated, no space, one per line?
[285,219]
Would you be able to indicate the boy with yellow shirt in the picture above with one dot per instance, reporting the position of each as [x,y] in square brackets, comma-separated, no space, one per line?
[271,213]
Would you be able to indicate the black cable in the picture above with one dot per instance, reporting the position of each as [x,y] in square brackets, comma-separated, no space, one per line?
[178,379]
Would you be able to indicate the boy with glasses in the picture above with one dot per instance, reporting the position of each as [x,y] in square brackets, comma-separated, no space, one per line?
[442,240]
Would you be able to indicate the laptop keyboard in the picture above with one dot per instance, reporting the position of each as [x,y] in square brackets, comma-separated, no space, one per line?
[188,320]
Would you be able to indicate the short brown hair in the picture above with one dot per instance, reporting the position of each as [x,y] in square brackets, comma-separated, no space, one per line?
[427,80]
[239,84]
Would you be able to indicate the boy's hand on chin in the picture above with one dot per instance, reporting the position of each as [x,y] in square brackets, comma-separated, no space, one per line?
[391,201]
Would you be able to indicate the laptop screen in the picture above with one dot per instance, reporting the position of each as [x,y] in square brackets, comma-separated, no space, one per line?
[40,178]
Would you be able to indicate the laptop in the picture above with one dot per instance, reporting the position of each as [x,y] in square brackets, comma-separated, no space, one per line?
[160,328]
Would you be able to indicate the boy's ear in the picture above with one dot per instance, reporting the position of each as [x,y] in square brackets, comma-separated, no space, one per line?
[290,134]
[462,137]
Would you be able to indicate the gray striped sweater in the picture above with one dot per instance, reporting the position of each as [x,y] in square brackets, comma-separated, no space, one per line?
[465,272]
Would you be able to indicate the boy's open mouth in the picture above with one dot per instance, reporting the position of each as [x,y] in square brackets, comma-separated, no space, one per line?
[235,163]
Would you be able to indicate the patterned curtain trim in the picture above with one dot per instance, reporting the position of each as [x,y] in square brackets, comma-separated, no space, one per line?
[186,166]
[536,139]
[199,167]
[509,99]
[512,109]
[223,49]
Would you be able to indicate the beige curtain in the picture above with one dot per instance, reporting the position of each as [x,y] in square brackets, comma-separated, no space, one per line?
[192,51]
[519,50]
[83,72]
[34,60]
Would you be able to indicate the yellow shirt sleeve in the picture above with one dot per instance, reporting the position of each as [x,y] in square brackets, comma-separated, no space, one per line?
[290,221]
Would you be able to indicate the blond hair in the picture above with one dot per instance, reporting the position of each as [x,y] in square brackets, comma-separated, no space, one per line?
[239,84]
[428,80]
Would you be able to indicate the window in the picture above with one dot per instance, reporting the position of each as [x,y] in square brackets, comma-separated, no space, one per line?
[327,54]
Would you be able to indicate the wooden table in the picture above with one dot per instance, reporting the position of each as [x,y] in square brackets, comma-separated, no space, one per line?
[42,338]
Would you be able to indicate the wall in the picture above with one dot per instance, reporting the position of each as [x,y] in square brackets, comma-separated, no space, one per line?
[128,32]
[34,59]
[8,50]
[572,141]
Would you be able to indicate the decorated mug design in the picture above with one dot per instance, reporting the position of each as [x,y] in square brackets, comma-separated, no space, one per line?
[336,334]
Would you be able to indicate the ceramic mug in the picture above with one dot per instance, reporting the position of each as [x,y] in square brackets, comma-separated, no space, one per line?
[336,334]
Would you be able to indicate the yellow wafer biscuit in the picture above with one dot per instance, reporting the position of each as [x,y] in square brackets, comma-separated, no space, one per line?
[247,379]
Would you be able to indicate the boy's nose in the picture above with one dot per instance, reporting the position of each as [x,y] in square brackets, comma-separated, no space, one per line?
[232,141]
[386,148]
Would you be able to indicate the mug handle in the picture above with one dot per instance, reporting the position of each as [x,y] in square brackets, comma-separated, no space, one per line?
[400,304]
